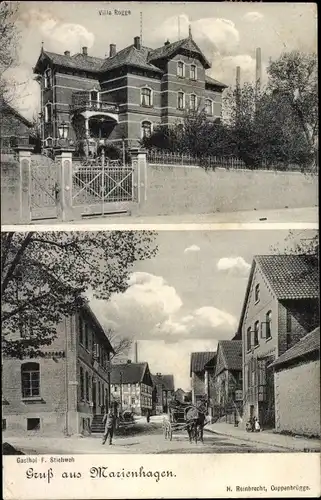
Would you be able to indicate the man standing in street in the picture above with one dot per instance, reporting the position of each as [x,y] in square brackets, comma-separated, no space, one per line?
[109,420]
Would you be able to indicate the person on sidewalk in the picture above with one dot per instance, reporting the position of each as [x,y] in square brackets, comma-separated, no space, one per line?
[257,426]
[110,421]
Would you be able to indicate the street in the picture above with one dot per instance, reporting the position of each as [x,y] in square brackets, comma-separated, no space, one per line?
[143,438]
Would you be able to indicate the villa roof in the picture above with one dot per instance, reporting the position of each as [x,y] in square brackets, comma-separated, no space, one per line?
[130,56]
[170,49]
[212,81]
[307,345]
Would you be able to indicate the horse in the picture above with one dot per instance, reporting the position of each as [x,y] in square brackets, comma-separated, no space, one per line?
[195,418]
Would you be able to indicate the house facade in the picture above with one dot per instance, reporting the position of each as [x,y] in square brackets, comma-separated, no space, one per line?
[15,129]
[280,307]
[63,390]
[297,387]
[125,95]
[163,392]
[228,383]
[131,387]
[202,376]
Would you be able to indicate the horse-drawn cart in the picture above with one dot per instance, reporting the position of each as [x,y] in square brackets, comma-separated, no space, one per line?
[184,417]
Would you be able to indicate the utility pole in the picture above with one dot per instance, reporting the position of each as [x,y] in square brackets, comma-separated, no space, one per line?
[121,392]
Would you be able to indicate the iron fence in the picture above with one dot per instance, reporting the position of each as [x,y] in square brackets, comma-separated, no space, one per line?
[155,157]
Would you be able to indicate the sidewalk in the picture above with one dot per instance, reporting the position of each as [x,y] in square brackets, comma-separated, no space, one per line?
[265,437]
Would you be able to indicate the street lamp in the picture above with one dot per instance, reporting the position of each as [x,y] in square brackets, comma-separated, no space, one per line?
[63,130]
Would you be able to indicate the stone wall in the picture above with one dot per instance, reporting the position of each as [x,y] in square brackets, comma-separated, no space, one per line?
[192,190]
[297,398]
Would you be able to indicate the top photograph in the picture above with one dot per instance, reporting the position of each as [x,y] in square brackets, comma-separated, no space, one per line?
[158,113]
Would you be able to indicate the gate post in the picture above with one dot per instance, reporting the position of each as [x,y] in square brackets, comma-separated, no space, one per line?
[64,159]
[139,165]
[24,156]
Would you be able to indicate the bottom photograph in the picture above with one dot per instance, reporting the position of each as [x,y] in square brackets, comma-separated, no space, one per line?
[169,342]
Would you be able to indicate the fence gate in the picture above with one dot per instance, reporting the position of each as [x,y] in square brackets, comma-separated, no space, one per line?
[44,191]
[102,189]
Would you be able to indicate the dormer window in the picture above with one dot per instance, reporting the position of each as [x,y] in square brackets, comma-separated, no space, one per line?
[47,78]
[180,69]
[193,72]
[193,102]
[146,97]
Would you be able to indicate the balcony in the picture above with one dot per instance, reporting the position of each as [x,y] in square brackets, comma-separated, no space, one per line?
[82,101]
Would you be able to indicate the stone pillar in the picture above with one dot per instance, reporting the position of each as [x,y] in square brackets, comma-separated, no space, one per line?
[24,157]
[64,159]
[140,175]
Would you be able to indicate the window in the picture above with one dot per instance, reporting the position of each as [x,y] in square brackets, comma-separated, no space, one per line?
[193,72]
[208,106]
[30,380]
[181,100]
[256,333]
[146,97]
[133,401]
[193,102]
[48,112]
[33,424]
[146,129]
[257,293]
[81,329]
[47,78]
[94,97]
[4,424]
[180,69]
[248,338]
[268,320]
[86,334]
[82,384]
[87,386]
[49,142]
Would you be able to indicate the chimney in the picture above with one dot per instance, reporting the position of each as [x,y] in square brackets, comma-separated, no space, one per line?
[85,51]
[67,52]
[258,71]
[137,42]
[136,352]
[129,361]
[167,43]
[112,50]
[238,77]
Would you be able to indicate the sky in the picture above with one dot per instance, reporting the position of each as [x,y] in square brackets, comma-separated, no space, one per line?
[189,296]
[227,32]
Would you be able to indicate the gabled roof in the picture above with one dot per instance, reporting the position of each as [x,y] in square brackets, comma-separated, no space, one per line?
[199,360]
[307,345]
[211,81]
[128,373]
[290,276]
[167,381]
[77,61]
[229,356]
[171,49]
[13,111]
[130,56]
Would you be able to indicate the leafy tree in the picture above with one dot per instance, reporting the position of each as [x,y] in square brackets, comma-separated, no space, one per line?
[293,78]
[46,276]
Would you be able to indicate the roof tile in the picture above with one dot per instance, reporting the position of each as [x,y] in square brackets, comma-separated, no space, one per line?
[200,359]
[308,344]
[230,357]
[291,276]
[132,373]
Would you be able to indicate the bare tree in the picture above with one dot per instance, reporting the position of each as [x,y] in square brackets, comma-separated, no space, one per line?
[120,345]
[9,36]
